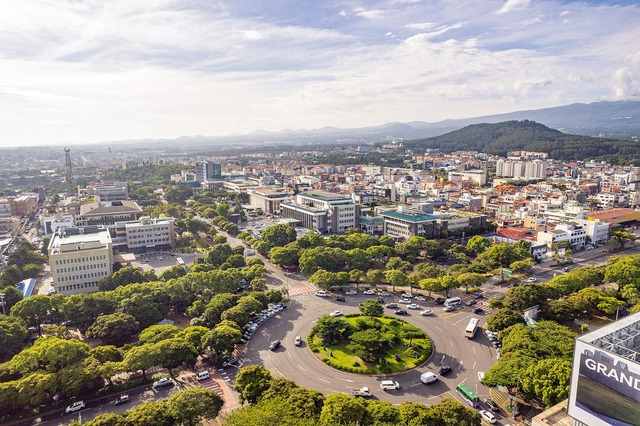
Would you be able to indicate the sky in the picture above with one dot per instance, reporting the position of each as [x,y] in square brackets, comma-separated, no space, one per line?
[86,71]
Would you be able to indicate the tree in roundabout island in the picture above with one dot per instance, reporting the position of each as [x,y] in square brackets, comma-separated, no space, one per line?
[369,343]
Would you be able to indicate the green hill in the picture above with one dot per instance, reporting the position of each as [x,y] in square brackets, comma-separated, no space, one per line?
[499,138]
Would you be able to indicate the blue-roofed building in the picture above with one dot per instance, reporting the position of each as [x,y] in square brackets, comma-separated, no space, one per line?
[405,223]
[26,287]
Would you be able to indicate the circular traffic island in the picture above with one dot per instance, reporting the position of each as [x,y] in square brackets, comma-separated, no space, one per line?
[368,344]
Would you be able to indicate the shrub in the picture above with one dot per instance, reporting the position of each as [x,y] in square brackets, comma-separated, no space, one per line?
[356,364]
[394,323]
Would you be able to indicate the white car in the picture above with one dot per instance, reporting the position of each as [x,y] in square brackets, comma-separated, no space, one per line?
[369,292]
[421,298]
[383,293]
[532,279]
[413,306]
[480,376]
[351,292]
[405,301]
[487,416]
[321,293]
[426,312]
[76,406]
[336,314]
[407,295]
[389,385]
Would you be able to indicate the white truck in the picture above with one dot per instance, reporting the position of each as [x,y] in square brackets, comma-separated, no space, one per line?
[363,392]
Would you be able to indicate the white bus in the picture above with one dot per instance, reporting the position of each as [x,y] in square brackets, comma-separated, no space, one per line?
[454,301]
[470,331]
[181,263]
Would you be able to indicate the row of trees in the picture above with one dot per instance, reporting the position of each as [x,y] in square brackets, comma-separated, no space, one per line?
[280,401]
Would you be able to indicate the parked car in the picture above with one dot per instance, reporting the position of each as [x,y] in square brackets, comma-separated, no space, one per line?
[426,312]
[321,293]
[449,308]
[274,345]
[340,299]
[363,392]
[391,305]
[413,306]
[351,292]
[478,295]
[400,312]
[369,292]
[420,298]
[203,375]
[231,361]
[487,416]
[533,279]
[298,341]
[380,300]
[405,301]
[162,383]
[439,301]
[383,293]
[407,295]
[444,370]
[470,302]
[122,399]
[565,269]
[336,314]
[76,406]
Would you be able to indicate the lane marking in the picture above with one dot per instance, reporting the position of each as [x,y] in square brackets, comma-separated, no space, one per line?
[450,341]
[326,381]
[346,380]
[301,368]
[288,353]
[474,365]
[474,349]
[415,384]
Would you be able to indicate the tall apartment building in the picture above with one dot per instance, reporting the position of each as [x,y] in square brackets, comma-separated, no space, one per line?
[323,211]
[528,170]
[79,258]
[208,170]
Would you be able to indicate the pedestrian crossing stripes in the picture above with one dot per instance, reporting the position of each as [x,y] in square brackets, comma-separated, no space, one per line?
[301,289]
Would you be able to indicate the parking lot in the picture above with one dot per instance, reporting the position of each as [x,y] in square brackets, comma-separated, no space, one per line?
[161,260]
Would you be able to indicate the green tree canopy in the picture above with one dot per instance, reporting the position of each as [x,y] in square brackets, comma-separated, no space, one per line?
[113,329]
[252,382]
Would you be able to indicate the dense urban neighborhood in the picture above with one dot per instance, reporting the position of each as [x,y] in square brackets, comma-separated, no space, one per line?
[368,284]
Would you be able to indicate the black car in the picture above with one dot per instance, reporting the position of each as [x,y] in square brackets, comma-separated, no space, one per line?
[274,345]
[478,295]
[400,312]
[470,302]
[478,311]
[439,301]
[380,300]
[444,370]
[340,299]
[492,405]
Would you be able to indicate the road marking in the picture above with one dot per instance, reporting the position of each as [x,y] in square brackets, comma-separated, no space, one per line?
[450,341]
[288,353]
[279,324]
[326,381]
[346,380]
[439,329]
[415,384]
[301,368]
[443,357]
[474,365]
[474,349]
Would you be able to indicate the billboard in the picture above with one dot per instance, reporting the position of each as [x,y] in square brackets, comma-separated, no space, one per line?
[605,387]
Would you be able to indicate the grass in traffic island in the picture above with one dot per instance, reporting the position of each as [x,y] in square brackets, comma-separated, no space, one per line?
[369,345]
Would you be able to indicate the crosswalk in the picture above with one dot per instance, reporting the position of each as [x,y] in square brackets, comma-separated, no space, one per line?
[301,289]
[216,383]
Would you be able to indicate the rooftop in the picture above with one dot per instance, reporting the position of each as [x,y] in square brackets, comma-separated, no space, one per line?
[410,216]
[621,337]
[612,213]
[325,196]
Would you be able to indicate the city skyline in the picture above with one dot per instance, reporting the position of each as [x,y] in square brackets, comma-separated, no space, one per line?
[84,72]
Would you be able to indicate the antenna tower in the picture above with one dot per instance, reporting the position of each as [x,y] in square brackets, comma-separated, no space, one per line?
[69,172]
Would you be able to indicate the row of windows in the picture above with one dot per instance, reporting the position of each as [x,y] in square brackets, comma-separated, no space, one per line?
[80,259]
[160,228]
[77,286]
[81,268]
[82,276]
[150,240]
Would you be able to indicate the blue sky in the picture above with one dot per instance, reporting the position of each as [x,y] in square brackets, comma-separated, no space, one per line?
[84,71]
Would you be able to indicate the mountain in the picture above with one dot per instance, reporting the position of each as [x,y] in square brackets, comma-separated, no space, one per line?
[500,138]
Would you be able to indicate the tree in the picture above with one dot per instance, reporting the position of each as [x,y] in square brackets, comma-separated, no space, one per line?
[371,308]
[279,235]
[219,254]
[222,339]
[452,413]
[524,265]
[357,258]
[271,411]
[223,210]
[11,296]
[192,405]
[124,276]
[330,329]
[158,332]
[33,310]
[621,238]
[175,271]
[375,277]
[503,318]
[326,279]
[623,270]
[49,354]
[108,419]
[548,379]
[478,244]
[524,296]
[113,329]
[340,408]
[427,270]
[396,263]
[141,358]
[328,258]
[13,335]
[172,353]
[416,414]
[470,279]
[152,413]
[431,284]
[382,412]
[396,278]
[251,383]
[433,249]
[177,194]
[285,256]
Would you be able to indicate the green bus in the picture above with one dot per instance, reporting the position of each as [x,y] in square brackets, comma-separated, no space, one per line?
[466,394]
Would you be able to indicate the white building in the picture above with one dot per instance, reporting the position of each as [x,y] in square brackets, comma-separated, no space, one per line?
[79,259]
[146,234]
[326,212]
[574,234]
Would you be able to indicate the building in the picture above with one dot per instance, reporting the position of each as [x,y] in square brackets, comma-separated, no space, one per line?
[146,234]
[79,258]
[107,214]
[268,199]
[480,177]
[9,226]
[406,223]
[574,234]
[605,379]
[325,212]
[115,191]
[616,216]
[5,208]
[208,170]
[50,224]
[23,205]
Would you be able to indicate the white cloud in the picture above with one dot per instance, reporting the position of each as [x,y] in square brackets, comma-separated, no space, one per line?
[421,26]
[512,5]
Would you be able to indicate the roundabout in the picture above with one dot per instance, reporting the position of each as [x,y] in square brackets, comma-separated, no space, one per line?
[449,349]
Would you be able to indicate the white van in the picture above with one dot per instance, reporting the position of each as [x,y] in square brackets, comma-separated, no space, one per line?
[203,375]
[389,385]
[428,377]
[454,301]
